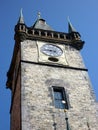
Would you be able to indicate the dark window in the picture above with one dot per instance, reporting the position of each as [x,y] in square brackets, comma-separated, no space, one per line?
[29,31]
[36,32]
[49,34]
[60,99]
[61,36]
[53,59]
[56,35]
[42,33]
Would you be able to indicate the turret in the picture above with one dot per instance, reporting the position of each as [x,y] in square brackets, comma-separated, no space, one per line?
[75,36]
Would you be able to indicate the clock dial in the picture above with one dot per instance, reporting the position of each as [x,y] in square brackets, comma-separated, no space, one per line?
[51,50]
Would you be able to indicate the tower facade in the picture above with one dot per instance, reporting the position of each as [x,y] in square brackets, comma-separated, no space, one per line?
[50,86]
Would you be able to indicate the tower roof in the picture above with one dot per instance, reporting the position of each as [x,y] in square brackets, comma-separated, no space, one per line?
[21,18]
[41,24]
[70,27]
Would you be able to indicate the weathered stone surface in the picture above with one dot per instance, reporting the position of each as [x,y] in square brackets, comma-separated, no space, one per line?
[37,101]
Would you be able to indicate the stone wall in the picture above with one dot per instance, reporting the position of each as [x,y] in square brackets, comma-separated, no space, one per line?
[97,109]
[30,51]
[37,100]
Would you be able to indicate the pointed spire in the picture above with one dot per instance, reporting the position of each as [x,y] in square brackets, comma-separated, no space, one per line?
[70,27]
[39,15]
[21,19]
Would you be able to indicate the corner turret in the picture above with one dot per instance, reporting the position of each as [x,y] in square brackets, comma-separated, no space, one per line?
[75,36]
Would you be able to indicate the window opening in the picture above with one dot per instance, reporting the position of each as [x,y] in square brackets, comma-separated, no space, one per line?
[60,99]
[53,59]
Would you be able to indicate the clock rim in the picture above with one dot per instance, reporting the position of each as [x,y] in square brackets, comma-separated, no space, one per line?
[57,55]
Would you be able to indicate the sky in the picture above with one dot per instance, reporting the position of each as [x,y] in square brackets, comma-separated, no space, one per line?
[84,17]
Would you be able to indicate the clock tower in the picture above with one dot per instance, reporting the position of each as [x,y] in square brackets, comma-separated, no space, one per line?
[50,86]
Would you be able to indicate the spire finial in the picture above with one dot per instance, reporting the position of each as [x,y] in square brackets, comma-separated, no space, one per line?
[70,26]
[68,19]
[39,15]
[21,19]
[21,14]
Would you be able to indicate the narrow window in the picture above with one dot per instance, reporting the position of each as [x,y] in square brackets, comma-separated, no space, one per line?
[60,99]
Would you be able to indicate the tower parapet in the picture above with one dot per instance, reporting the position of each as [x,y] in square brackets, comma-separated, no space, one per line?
[40,30]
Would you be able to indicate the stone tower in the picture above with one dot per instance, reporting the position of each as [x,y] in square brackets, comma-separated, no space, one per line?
[50,86]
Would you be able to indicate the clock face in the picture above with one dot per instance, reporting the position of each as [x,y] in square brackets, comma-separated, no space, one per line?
[51,50]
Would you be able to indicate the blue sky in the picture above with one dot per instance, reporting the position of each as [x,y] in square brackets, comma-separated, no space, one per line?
[84,17]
